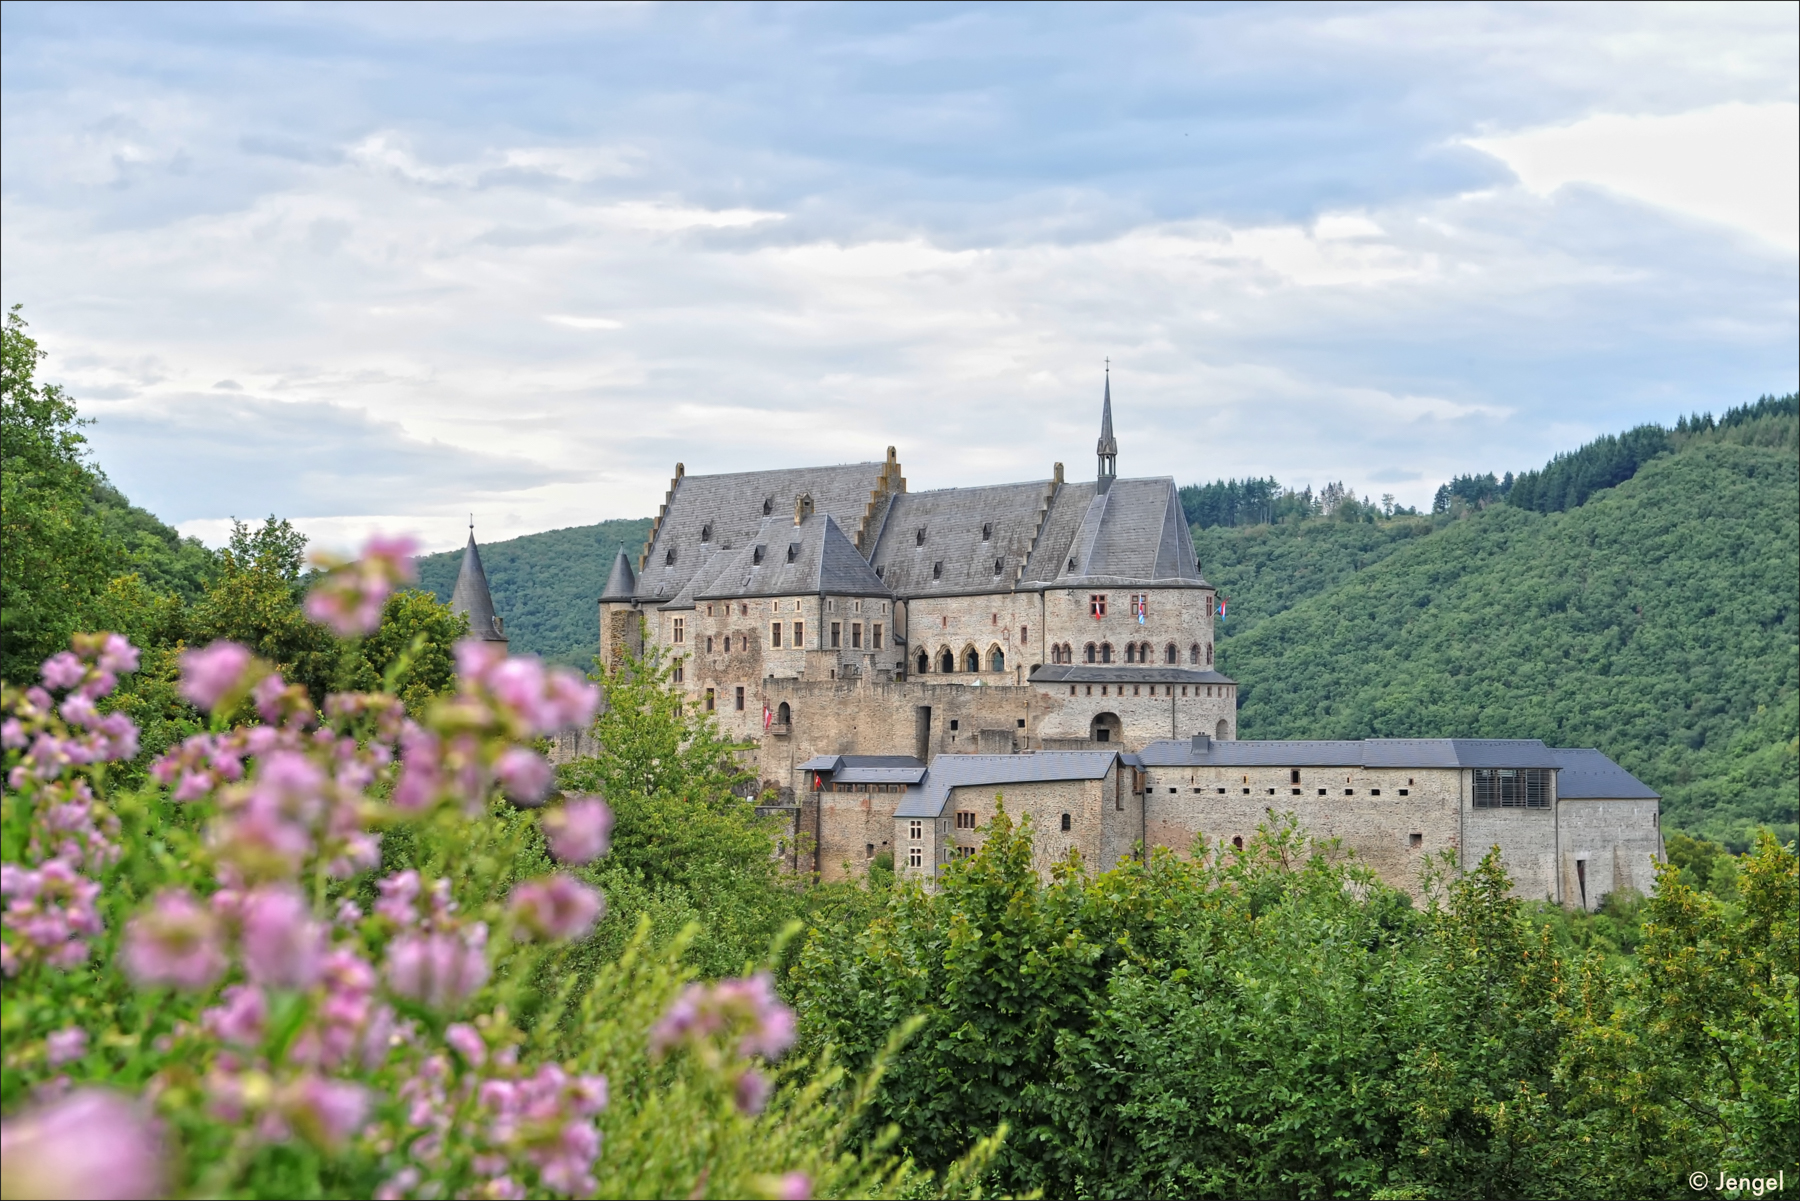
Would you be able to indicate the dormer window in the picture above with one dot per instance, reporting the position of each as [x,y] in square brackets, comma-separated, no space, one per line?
[1071,562]
[879,571]
[987,530]
[920,537]
[937,570]
[756,556]
[768,506]
[998,563]
[669,559]
[793,551]
[706,532]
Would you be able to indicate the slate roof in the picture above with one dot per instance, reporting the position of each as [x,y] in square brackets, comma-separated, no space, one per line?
[952,520]
[927,798]
[867,769]
[621,581]
[1590,774]
[1095,673]
[729,510]
[1369,752]
[814,558]
[471,596]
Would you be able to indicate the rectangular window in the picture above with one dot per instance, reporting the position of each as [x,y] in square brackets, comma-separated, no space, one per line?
[710,704]
[680,629]
[680,671]
[917,831]
[1097,605]
[1024,633]
[856,635]
[709,639]
[1512,788]
[740,698]
[965,820]
[916,857]
[1140,604]
[775,633]
[875,636]
[799,634]
[837,635]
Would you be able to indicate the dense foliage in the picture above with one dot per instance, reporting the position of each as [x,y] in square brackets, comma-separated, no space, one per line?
[1277,1022]
[546,586]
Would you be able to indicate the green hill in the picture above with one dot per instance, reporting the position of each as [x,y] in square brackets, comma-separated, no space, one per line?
[546,586]
[1657,622]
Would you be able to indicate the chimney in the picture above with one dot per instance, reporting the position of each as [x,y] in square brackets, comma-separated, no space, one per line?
[1202,744]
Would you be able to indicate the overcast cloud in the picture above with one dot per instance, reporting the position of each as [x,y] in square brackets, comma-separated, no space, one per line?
[373,265]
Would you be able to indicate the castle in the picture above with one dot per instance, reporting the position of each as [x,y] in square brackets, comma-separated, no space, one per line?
[895,659]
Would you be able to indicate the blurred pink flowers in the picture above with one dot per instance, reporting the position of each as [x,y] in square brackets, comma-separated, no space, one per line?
[210,675]
[91,1143]
[579,831]
[175,942]
[441,969]
[557,907]
[747,1005]
[283,947]
[349,596]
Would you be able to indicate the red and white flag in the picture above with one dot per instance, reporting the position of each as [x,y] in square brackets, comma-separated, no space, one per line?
[767,715]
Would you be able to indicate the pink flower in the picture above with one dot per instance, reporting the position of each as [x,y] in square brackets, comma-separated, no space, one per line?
[175,942]
[349,597]
[748,1005]
[63,670]
[475,659]
[440,969]
[91,1143]
[794,1186]
[579,831]
[524,775]
[557,907]
[283,946]
[240,1019]
[324,1112]
[573,700]
[12,735]
[65,1046]
[399,897]
[209,676]
[466,1041]
[118,656]
[752,1091]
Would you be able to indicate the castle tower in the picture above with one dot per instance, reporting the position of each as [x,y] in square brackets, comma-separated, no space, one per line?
[1108,446]
[619,623]
[471,598]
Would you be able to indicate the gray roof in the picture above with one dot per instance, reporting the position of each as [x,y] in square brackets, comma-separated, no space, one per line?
[1369,752]
[814,558]
[728,510]
[470,596]
[1094,673]
[1588,773]
[1133,533]
[621,581]
[867,769]
[953,521]
[927,798]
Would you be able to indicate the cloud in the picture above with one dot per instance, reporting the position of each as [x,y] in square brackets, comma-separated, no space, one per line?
[1735,164]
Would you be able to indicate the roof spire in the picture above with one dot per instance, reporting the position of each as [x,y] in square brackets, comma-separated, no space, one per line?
[471,598]
[1108,446]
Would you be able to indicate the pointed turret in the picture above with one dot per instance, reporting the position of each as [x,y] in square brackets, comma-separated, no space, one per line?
[621,582]
[1108,446]
[471,596]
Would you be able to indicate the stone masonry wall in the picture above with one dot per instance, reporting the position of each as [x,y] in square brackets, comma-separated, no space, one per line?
[1620,841]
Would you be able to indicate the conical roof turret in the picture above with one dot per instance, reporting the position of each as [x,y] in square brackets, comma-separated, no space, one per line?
[621,582]
[1108,447]
[471,597]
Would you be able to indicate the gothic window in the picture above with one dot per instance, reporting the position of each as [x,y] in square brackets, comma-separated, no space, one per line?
[1097,605]
[1194,654]
[1209,654]
[1106,652]
[1065,821]
[924,663]
[1090,653]
[1223,732]
[972,661]
[1170,654]
[784,715]
[1146,653]
[996,660]
[946,662]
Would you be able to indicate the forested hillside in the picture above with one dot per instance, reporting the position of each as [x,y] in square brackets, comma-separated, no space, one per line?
[546,586]
[1656,622]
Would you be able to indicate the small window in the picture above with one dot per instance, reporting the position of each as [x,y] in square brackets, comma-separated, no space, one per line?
[837,635]
[775,634]
[987,530]
[996,660]
[784,714]
[919,538]
[1294,775]
[1194,654]
[1066,823]
[740,698]
[799,634]
[1237,841]
[924,663]
[1374,792]
[1171,656]
[1091,653]
[1071,562]
[1097,605]
[998,564]
[709,644]
[680,629]
[768,506]
[937,570]
[965,819]
[1405,792]
[706,532]
[669,559]
[856,635]
[915,857]
[868,850]
[916,830]
[875,636]
[680,671]
[954,724]
[793,551]
[1209,654]
[756,556]
[1024,633]
[744,611]
[1106,655]
[947,665]
[711,704]
[1415,840]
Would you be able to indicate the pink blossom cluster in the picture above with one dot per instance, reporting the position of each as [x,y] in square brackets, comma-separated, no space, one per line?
[349,596]
[89,1143]
[435,957]
[743,1016]
[51,910]
[528,1123]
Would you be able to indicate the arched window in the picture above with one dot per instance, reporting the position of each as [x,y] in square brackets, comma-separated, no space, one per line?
[1145,654]
[924,663]
[1224,730]
[1106,652]
[996,660]
[1170,654]
[1090,652]
[972,661]
[1209,654]
[1068,653]
[1194,654]
[784,715]
[946,662]
[1130,653]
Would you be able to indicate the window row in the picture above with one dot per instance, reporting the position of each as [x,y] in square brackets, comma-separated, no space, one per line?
[971,661]
[1135,652]
[1211,690]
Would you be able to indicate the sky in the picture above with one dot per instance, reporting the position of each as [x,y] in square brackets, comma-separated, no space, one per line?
[386,266]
